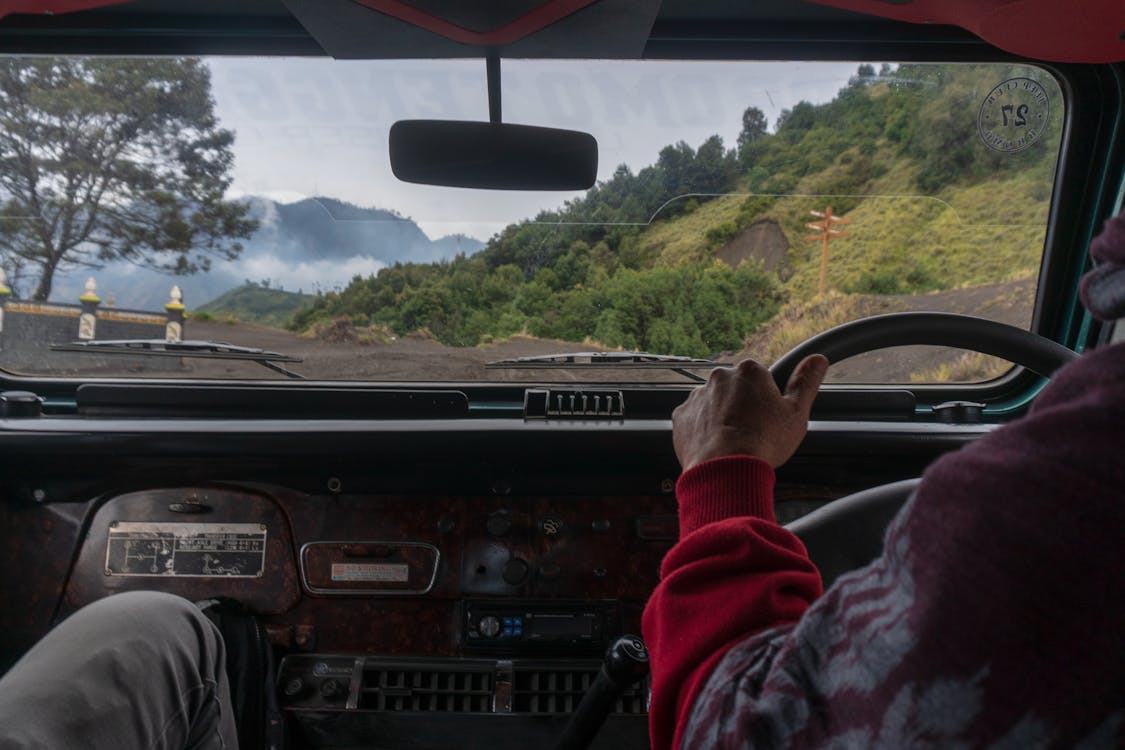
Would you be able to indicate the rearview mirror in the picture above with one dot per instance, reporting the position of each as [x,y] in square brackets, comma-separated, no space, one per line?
[493,155]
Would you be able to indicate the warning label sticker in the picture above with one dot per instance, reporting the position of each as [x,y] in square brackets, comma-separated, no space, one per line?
[386,572]
[233,550]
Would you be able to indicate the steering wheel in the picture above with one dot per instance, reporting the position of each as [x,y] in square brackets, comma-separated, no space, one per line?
[848,533]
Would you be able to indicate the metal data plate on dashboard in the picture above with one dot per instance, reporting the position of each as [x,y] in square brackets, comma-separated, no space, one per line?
[229,550]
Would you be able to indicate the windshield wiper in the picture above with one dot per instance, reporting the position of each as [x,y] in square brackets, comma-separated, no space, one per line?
[622,360]
[198,349]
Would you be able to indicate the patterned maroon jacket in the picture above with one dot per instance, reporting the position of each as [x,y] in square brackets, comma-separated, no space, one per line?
[995,617]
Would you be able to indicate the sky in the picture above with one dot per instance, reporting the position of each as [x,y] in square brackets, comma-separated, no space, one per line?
[307,127]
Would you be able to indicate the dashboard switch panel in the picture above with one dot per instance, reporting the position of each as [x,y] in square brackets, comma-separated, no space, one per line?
[583,403]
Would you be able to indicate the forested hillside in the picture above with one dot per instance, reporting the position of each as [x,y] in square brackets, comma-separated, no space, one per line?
[665,259]
[254,302]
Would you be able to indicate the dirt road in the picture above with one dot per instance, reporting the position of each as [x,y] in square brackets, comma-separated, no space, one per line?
[418,358]
[411,357]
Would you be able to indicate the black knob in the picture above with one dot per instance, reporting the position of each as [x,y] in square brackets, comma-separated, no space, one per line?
[499,524]
[331,688]
[515,572]
[294,686]
[626,660]
[490,626]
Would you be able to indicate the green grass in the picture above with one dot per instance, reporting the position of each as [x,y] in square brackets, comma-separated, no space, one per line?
[684,238]
[899,242]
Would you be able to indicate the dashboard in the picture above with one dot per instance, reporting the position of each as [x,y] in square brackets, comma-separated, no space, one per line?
[420,580]
[394,574]
[413,604]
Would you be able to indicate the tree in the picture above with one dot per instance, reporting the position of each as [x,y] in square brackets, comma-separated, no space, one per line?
[795,122]
[864,75]
[754,126]
[713,169]
[675,163]
[104,160]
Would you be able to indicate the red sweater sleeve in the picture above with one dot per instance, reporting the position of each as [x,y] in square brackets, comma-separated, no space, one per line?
[734,572]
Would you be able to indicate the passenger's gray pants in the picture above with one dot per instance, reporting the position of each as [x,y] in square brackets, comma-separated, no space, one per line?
[135,670]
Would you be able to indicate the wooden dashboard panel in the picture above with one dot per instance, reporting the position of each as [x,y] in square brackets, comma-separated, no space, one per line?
[512,548]
[529,547]
[507,546]
[504,547]
[516,548]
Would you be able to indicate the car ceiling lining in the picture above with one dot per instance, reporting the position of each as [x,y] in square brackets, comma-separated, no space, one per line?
[1087,31]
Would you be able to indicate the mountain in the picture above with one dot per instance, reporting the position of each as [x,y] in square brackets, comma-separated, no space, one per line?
[257,304]
[316,244]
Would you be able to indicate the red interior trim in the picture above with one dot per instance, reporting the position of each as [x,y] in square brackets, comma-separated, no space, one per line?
[1083,31]
[52,7]
[539,18]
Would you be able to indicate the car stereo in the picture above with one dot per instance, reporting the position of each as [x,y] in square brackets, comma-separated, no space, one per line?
[539,626]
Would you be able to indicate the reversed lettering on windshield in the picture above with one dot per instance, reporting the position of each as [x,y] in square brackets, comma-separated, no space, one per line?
[202,550]
[1014,115]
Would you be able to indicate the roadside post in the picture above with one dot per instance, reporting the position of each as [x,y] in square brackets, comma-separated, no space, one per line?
[88,320]
[826,233]
[174,330]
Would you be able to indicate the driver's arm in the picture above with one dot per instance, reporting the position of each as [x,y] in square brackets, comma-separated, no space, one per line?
[734,572]
[993,618]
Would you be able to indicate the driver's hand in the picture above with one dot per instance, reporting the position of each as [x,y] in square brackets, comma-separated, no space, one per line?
[741,412]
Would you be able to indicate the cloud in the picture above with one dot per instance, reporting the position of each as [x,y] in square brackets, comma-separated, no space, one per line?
[320,275]
[315,126]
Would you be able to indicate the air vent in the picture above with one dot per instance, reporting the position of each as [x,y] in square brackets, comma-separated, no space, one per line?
[388,686]
[559,691]
[318,682]
[575,403]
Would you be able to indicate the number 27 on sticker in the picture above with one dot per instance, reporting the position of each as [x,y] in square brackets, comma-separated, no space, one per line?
[1020,118]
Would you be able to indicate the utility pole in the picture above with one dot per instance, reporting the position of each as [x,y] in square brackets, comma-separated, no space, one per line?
[826,233]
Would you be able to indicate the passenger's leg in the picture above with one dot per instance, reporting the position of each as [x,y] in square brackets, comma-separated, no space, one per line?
[136,670]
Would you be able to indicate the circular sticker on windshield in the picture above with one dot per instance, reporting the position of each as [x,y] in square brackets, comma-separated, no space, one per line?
[1013,115]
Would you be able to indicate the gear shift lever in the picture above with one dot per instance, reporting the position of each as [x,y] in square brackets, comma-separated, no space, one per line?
[626,662]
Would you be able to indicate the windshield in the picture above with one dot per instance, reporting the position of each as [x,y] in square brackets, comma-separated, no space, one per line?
[740,208]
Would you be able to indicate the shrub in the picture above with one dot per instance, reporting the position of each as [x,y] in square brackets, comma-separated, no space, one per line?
[877,282]
[723,233]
